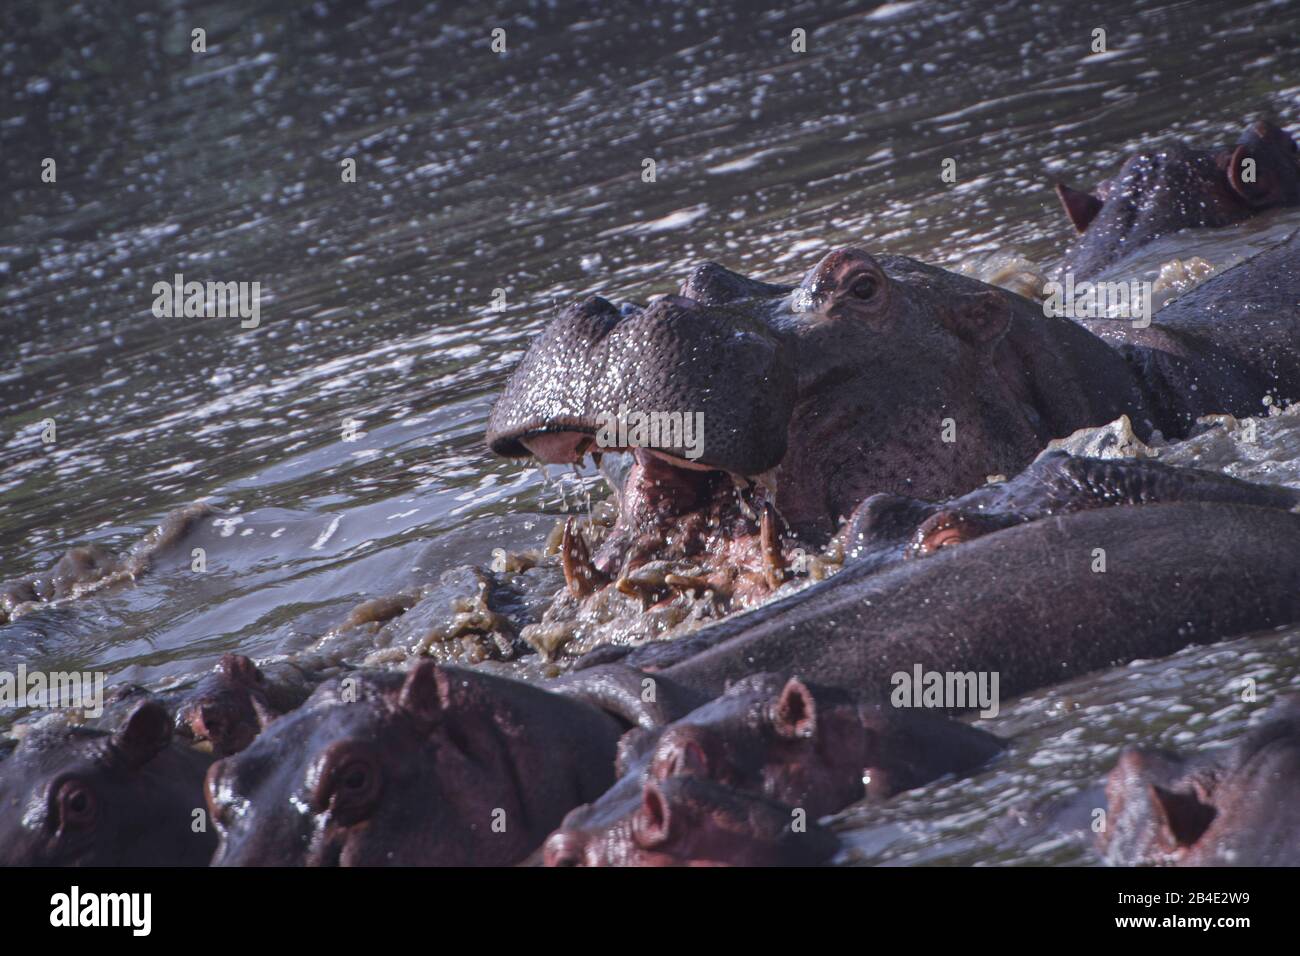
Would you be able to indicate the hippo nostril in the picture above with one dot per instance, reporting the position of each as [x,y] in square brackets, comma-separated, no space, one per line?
[651,827]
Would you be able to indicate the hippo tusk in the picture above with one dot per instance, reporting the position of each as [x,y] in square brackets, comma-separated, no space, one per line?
[770,541]
[580,574]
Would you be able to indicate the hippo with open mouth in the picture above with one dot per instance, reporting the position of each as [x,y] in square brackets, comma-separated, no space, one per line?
[877,374]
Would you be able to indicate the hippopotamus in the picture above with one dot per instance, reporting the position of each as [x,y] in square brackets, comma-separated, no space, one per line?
[877,374]
[1032,604]
[888,528]
[434,766]
[229,706]
[801,745]
[72,795]
[1230,806]
[1178,187]
[86,568]
[696,821]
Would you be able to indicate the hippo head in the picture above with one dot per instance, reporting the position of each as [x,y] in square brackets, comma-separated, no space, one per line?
[70,795]
[776,739]
[875,374]
[227,708]
[1177,187]
[694,821]
[439,766]
[1234,806]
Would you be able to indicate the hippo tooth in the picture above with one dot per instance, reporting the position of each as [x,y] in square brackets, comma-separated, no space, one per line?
[742,487]
[580,574]
[770,541]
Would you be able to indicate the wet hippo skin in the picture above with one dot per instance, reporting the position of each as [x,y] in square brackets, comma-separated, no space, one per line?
[1230,806]
[70,795]
[1024,602]
[1179,187]
[435,766]
[796,745]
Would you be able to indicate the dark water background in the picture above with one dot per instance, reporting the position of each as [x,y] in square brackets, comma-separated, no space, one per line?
[475,172]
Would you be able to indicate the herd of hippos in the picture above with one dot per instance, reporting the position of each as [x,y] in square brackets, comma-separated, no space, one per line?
[726,745]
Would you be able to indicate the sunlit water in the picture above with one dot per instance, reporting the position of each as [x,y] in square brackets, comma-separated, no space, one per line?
[523,172]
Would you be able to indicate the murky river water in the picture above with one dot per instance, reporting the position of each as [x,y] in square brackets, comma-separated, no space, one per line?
[521,172]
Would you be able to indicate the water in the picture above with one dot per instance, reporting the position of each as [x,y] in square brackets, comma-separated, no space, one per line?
[478,172]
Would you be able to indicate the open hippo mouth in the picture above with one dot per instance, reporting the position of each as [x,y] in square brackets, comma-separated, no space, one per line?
[702,396]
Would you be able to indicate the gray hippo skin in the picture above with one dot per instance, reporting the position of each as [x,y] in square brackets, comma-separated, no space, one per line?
[439,766]
[797,744]
[74,796]
[1179,187]
[1232,806]
[816,397]
[1025,602]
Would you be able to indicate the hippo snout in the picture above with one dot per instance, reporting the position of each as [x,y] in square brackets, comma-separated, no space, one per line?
[704,385]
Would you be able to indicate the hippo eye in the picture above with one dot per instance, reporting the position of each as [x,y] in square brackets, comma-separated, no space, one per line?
[864,287]
[350,785]
[76,805]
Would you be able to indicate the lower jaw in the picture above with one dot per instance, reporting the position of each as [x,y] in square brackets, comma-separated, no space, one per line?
[659,571]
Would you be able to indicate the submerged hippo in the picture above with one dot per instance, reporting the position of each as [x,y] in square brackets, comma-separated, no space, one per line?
[70,795]
[437,766]
[802,746]
[229,706]
[1179,187]
[875,375]
[695,821]
[1231,806]
[88,568]
[888,528]
[1031,605]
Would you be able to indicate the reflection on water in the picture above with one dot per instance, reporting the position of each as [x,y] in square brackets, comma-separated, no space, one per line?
[478,172]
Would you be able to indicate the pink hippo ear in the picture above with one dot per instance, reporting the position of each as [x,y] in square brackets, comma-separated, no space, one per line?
[981,318]
[794,713]
[424,693]
[1181,816]
[146,732]
[1081,207]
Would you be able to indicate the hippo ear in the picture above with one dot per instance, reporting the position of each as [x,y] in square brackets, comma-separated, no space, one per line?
[980,318]
[1181,815]
[146,732]
[240,669]
[1267,174]
[1081,207]
[794,714]
[423,693]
